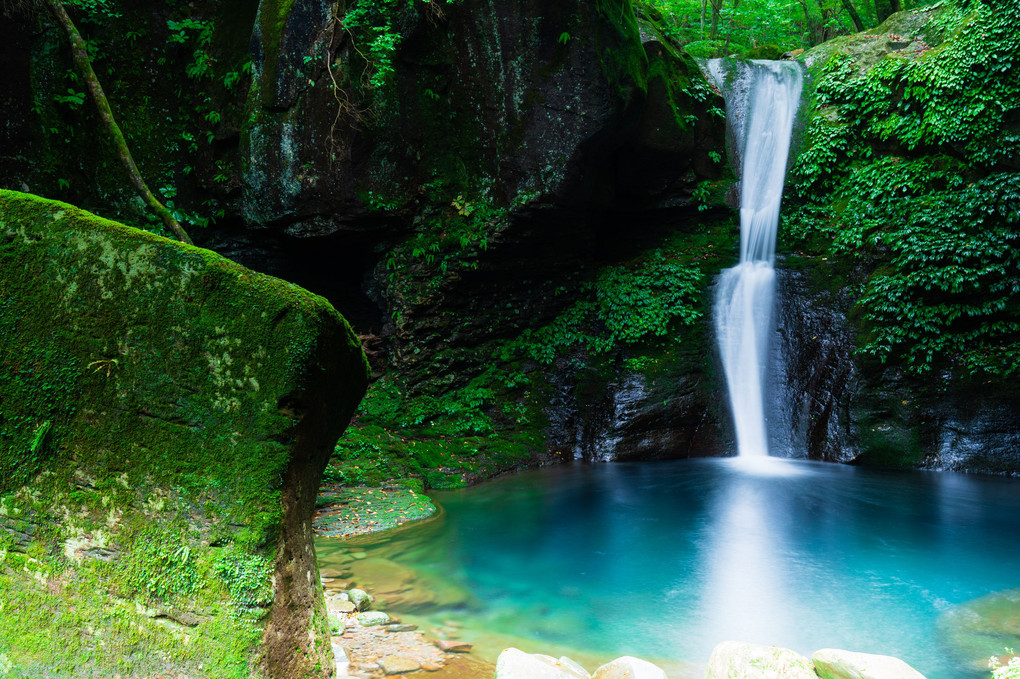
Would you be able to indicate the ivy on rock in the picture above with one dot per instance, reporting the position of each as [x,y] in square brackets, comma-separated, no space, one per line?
[912,169]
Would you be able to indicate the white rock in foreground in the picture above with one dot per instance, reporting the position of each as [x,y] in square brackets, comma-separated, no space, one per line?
[516,664]
[629,667]
[832,663]
[738,660]
[343,665]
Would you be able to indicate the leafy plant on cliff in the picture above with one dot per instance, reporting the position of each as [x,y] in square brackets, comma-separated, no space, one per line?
[161,564]
[623,305]
[473,431]
[248,577]
[374,26]
[912,169]
[449,234]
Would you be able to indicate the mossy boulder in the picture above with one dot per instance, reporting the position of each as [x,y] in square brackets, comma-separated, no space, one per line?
[903,33]
[165,416]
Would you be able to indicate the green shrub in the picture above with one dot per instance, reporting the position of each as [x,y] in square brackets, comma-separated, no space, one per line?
[763,52]
[910,170]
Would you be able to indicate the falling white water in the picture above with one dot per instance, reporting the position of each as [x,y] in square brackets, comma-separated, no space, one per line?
[761,104]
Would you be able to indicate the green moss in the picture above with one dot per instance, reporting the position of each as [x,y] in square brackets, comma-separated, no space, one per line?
[763,52]
[150,399]
[888,439]
[618,42]
[272,21]
[55,609]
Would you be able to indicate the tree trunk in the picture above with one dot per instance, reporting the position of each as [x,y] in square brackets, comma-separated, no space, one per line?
[81,60]
[848,5]
[729,34]
[882,11]
[826,14]
[716,12]
[704,6]
[809,26]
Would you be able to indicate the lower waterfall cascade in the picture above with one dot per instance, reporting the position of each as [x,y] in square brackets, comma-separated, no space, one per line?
[762,98]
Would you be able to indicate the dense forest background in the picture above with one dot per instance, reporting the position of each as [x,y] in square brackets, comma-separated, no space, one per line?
[720,27]
[521,210]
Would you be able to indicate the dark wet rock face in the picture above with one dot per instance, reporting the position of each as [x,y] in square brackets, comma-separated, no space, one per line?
[814,373]
[615,414]
[975,430]
[843,408]
[524,99]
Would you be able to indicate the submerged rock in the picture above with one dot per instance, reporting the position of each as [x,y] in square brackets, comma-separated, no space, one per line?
[396,664]
[166,418]
[983,628]
[831,663]
[370,618]
[401,587]
[453,646]
[738,660]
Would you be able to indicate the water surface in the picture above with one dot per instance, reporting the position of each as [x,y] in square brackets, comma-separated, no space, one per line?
[665,560]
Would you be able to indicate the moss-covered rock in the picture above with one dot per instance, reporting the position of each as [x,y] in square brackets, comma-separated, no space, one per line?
[899,208]
[165,416]
[903,33]
[573,101]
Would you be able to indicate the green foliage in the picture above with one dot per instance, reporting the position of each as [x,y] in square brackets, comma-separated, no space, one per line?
[95,11]
[450,233]
[248,578]
[444,440]
[911,169]
[623,305]
[73,98]
[373,25]
[758,29]
[162,565]
[763,52]
[711,49]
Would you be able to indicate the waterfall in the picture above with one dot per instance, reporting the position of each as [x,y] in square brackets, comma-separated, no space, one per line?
[761,103]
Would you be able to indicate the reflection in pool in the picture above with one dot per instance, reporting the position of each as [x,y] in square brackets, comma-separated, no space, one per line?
[665,560]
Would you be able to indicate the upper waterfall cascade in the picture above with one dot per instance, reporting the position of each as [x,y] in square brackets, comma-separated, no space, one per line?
[762,98]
